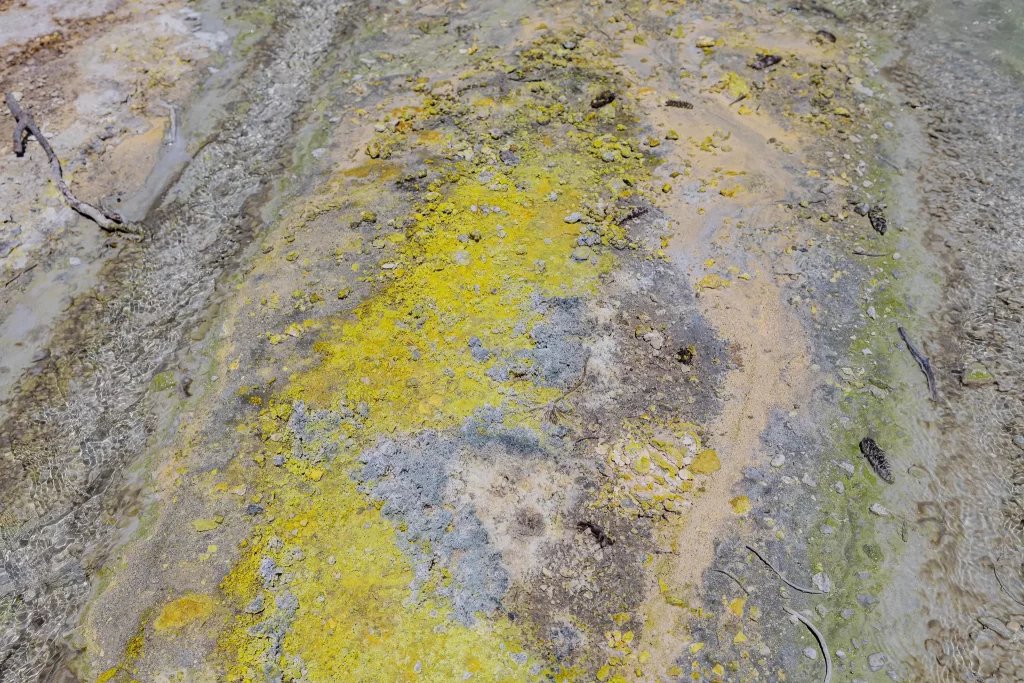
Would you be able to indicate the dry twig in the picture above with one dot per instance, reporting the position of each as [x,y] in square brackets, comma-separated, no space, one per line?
[859,251]
[107,220]
[20,273]
[1005,589]
[784,579]
[821,642]
[554,412]
[926,366]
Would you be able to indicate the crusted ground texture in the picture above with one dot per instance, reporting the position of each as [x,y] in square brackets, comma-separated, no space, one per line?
[530,341]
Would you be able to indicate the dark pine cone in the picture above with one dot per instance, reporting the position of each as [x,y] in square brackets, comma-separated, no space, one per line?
[877,458]
[878,221]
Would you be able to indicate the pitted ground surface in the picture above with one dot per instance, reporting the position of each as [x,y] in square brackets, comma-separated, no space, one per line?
[475,343]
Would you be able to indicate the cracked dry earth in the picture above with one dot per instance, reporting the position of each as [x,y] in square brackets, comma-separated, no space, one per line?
[509,342]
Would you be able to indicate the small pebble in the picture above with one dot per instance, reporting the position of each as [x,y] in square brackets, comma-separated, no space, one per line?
[810,653]
[879,509]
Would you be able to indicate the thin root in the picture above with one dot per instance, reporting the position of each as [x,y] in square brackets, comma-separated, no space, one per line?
[731,576]
[786,581]
[821,642]
[1005,589]
[554,412]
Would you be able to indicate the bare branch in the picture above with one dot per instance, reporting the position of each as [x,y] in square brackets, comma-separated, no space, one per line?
[107,220]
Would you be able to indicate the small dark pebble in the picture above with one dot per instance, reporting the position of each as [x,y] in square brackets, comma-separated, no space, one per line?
[679,104]
[604,98]
[764,61]
[254,509]
[877,217]
[508,157]
[825,36]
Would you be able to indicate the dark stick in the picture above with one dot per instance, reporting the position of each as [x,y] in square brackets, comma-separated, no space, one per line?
[926,366]
[20,273]
[109,221]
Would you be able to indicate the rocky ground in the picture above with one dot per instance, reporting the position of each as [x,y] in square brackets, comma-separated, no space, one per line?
[510,341]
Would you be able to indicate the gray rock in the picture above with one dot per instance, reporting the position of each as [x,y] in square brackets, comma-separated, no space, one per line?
[582,253]
[480,354]
[779,460]
[810,653]
[508,157]
[286,602]
[879,509]
[847,613]
[822,582]
[256,606]
[976,375]
[573,217]
[866,600]
[877,661]
[269,570]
